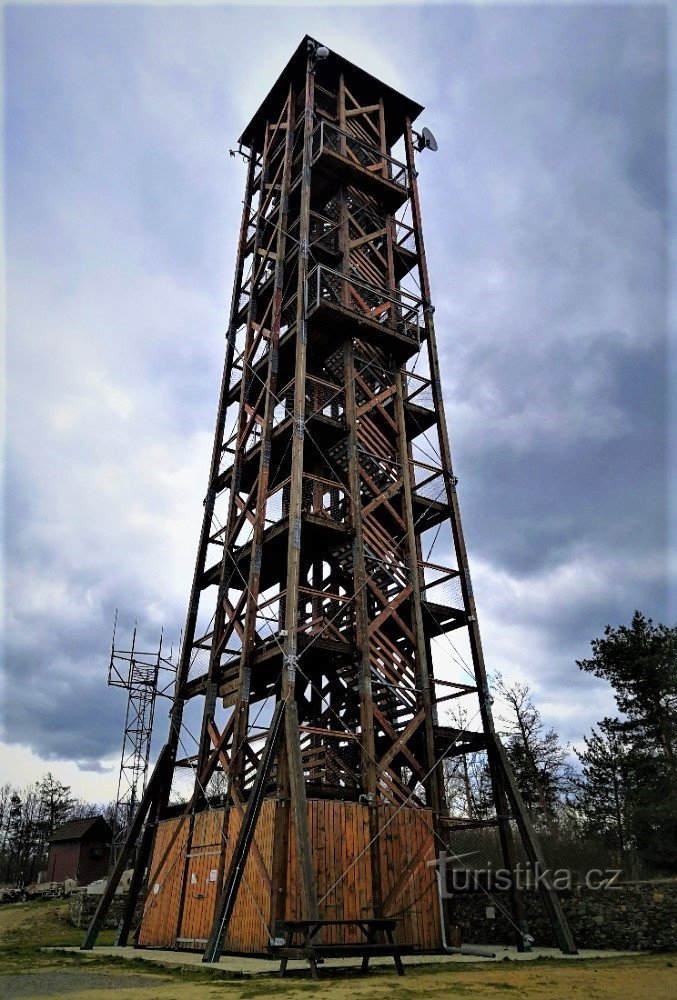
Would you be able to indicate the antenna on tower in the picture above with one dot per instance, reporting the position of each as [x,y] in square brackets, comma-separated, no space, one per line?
[426,140]
[138,673]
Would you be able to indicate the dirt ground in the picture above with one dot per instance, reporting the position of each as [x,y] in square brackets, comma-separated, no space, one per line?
[26,973]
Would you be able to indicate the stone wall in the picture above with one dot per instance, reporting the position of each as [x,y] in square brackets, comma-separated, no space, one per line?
[635,916]
[82,908]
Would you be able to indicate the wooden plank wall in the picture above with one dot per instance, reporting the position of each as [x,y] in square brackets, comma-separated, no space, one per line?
[339,835]
[202,875]
[248,931]
[408,884]
[342,864]
[158,925]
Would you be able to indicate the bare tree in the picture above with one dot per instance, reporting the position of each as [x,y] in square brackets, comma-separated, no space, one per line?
[541,763]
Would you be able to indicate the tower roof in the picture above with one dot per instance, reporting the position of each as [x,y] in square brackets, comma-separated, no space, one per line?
[397,106]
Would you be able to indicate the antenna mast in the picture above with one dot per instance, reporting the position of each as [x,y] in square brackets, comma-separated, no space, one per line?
[138,673]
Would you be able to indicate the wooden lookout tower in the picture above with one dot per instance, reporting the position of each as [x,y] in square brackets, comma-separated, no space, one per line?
[330,566]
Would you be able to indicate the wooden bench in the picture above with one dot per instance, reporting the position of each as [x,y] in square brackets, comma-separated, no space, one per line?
[301,942]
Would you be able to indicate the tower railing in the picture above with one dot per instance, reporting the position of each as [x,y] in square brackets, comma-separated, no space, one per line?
[441,585]
[326,399]
[399,311]
[419,390]
[320,497]
[320,614]
[405,237]
[327,136]
[428,481]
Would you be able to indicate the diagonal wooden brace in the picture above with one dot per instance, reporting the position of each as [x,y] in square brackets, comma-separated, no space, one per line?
[226,905]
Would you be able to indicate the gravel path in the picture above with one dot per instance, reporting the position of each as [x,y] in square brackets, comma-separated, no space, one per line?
[35,984]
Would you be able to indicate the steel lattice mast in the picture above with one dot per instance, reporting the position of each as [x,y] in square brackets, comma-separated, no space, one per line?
[138,673]
[314,604]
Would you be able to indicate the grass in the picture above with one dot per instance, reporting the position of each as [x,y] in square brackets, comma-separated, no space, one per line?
[26,928]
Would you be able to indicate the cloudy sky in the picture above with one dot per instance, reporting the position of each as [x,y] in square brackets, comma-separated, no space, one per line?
[546,224]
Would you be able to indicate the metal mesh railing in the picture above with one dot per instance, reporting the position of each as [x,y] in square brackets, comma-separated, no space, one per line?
[270,615]
[404,237]
[330,137]
[322,399]
[398,311]
[428,481]
[325,614]
[325,100]
[277,503]
[324,498]
[319,614]
[323,233]
[330,757]
[442,585]
[419,390]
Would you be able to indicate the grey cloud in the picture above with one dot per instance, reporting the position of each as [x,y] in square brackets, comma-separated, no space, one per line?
[545,221]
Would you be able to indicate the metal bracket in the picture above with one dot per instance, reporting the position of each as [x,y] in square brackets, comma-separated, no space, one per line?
[239,152]
[299,426]
[291,662]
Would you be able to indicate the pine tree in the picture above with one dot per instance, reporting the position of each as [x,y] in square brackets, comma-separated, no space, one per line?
[640,663]
[605,792]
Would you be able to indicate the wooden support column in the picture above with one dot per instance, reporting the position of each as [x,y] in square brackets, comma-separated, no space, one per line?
[369,777]
[290,656]
[148,806]
[496,769]
[253,587]
[549,896]
[183,668]
[238,861]
[434,784]
[280,865]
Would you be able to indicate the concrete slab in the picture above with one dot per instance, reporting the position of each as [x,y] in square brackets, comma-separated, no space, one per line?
[239,965]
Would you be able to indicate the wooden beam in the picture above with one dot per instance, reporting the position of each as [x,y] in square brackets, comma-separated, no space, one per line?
[224,910]
[402,740]
[409,872]
[238,803]
[549,896]
[149,801]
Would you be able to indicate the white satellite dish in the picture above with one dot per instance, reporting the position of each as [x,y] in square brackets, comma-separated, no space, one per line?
[427,140]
